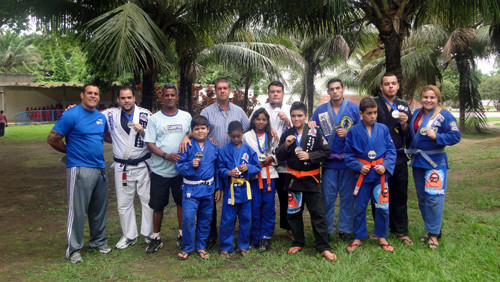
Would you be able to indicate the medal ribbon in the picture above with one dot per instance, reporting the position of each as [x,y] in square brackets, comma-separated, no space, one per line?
[425,119]
[297,141]
[197,146]
[373,138]
[265,142]
[335,118]
[393,106]
[129,117]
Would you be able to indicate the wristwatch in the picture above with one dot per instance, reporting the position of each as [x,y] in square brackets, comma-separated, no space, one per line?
[163,155]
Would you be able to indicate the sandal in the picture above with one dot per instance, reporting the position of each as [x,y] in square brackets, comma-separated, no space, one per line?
[203,254]
[352,247]
[183,255]
[224,254]
[405,240]
[374,237]
[432,244]
[329,255]
[244,252]
[293,250]
[386,247]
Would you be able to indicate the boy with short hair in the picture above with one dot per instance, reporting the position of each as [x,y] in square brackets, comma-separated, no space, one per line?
[304,149]
[370,151]
[198,167]
[238,163]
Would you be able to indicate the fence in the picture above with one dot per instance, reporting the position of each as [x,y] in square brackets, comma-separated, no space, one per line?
[38,116]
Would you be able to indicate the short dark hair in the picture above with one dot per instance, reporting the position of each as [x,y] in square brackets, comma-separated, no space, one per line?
[89,84]
[234,126]
[199,120]
[298,106]
[123,88]
[388,74]
[170,86]
[275,83]
[222,79]
[367,102]
[334,80]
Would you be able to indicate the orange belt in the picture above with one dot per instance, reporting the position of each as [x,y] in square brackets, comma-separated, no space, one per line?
[268,180]
[300,174]
[361,176]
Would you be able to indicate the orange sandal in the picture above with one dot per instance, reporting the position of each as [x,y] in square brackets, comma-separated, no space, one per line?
[329,255]
[352,247]
[293,250]
[386,247]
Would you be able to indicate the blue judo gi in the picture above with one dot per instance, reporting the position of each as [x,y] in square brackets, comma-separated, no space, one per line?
[358,145]
[237,203]
[430,164]
[337,178]
[198,193]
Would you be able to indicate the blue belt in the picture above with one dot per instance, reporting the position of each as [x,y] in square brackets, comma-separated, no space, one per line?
[425,154]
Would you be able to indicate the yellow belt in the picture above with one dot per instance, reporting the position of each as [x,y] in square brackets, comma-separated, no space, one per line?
[240,181]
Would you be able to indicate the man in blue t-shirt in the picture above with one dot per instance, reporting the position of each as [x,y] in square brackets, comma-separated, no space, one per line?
[83,127]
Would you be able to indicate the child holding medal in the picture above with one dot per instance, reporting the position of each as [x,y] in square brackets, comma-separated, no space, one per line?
[198,167]
[369,150]
[263,207]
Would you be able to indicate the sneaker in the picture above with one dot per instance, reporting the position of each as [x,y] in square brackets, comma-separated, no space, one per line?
[125,243]
[75,257]
[154,245]
[105,250]
[147,240]
[263,245]
[179,241]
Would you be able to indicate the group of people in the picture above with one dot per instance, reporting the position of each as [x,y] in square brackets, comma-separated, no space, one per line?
[356,152]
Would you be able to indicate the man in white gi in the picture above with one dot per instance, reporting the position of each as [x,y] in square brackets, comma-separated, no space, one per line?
[131,156]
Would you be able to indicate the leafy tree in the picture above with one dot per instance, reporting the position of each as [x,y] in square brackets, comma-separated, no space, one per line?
[490,89]
[15,55]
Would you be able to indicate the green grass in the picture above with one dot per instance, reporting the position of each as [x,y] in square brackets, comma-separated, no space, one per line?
[27,132]
[469,249]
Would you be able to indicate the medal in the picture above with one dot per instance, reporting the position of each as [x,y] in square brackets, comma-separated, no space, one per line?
[262,157]
[298,149]
[198,155]
[395,114]
[372,155]
[423,130]
[130,124]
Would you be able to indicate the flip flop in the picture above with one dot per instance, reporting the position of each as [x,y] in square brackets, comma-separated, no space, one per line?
[424,239]
[352,247]
[329,255]
[407,241]
[293,250]
[432,245]
[244,252]
[385,246]
[183,255]
[224,254]
[203,254]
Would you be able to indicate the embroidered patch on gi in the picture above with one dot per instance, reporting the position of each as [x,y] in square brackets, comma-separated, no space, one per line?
[294,202]
[245,158]
[346,122]
[111,122]
[434,182]
[382,198]
[454,126]
[325,124]
[143,116]
[312,132]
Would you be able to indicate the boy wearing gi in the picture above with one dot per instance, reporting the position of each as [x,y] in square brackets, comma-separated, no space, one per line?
[304,149]
[198,168]
[370,151]
[238,163]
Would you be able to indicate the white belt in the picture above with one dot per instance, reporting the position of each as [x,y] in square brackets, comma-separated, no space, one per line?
[198,182]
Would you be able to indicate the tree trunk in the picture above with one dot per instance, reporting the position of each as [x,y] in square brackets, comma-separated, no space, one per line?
[392,46]
[148,91]
[309,72]
[463,68]
[185,84]
[248,82]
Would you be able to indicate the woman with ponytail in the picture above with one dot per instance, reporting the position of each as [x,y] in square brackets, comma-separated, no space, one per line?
[432,128]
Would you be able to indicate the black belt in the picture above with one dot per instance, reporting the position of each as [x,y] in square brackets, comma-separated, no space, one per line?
[133,161]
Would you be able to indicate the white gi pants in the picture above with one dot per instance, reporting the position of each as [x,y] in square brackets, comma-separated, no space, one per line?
[137,180]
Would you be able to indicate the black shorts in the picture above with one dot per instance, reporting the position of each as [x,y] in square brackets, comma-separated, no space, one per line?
[159,192]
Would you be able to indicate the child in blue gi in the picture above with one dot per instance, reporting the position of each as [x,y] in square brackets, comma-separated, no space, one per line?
[432,128]
[369,150]
[238,163]
[259,138]
[304,149]
[198,167]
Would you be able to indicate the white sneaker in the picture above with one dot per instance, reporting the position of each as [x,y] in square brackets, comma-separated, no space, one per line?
[75,257]
[125,243]
[105,250]
[147,240]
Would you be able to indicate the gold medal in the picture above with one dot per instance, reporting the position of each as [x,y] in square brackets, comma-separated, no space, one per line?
[372,155]
[198,155]
[423,130]
[262,157]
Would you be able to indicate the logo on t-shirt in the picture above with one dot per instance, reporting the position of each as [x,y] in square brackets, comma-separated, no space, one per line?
[99,121]
[173,128]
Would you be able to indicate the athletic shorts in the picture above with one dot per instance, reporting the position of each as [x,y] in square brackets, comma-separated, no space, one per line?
[159,192]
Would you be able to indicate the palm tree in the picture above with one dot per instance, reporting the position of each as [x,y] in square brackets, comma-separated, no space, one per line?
[15,55]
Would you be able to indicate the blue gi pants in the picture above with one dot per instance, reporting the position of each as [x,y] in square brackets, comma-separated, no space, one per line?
[228,221]
[381,212]
[431,206]
[263,211]
[196,211]
[339,182]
